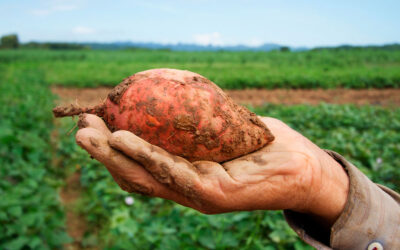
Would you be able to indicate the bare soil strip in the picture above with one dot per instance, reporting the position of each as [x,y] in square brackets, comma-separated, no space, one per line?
[258,97]
[70,194]
[76,223]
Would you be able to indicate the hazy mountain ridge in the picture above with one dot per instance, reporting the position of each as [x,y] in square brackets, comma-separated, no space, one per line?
[179,46]
[188,46]
[239,47]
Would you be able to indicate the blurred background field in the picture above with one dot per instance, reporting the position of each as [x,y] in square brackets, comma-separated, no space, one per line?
[38,154]
[53,195]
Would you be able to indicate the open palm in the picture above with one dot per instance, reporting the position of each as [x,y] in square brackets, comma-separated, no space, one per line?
[290,173]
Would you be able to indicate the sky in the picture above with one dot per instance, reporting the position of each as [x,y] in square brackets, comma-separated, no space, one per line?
[294,23]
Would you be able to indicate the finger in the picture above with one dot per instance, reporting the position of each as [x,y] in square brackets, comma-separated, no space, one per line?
[213,174]
[126,172]
[212,171]
[93,121]
[171,170]
[130,175]
[283,133]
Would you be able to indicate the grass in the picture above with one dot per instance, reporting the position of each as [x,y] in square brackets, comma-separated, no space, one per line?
[356,68]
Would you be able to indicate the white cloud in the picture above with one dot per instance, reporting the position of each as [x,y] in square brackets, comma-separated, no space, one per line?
[53,7]
[82,30]
[213,38]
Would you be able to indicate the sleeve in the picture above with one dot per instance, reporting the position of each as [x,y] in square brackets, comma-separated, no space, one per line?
[370,219]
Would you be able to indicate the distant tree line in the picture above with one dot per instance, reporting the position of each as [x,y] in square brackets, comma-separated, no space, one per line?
[394,46]
[284,49]
[12,42]
[54,46]
[9,42]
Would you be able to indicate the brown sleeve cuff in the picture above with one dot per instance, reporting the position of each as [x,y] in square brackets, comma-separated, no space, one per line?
[371,216]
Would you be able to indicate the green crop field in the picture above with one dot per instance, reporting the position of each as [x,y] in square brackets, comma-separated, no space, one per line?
[372,144]
[349,68]
[31,216]
[37,153]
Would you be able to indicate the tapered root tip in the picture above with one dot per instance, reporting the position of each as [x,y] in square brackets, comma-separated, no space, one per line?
[71,110]
[62,111]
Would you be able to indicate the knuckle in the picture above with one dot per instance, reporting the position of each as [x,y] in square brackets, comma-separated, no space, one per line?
[119,136]
[132,187]
[138,188]
[143,158]
[208,202]
[143,190]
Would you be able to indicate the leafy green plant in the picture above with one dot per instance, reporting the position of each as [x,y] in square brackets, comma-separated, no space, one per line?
[30,213]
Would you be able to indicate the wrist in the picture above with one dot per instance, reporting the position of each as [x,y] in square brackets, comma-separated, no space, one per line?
[330,195]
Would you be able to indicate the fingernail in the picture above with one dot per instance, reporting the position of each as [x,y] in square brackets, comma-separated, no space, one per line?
[82,123]
[79,141]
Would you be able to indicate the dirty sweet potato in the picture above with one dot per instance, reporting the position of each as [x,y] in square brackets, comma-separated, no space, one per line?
[181,112]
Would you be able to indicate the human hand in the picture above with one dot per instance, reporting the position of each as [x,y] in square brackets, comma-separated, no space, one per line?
[289,173]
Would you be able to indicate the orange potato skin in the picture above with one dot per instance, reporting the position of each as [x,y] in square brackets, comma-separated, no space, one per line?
[185,114]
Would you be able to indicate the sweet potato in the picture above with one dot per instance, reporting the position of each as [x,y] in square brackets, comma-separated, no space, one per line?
[181,112]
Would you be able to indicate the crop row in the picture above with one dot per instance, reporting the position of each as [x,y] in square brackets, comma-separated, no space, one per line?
[352,68]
